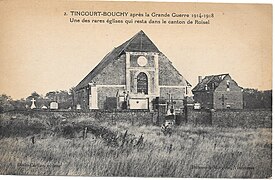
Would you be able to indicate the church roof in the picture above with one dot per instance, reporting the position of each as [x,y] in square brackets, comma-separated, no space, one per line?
[216,79]
[188,84]
[138,43]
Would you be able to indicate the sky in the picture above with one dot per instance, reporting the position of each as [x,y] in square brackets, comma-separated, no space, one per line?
[40,50]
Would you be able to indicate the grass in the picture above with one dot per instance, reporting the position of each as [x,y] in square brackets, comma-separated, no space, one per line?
[189,152]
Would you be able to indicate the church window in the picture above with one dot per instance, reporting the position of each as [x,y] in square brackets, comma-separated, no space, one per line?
[142,61]
[142,83]
[213,86]
[228,85]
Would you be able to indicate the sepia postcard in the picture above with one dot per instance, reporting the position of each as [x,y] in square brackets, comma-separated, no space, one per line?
[136,89]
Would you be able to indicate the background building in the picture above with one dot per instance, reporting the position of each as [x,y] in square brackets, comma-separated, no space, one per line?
[218,92]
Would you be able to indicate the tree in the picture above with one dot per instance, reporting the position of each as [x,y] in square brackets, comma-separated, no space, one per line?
[51,95]
[39,100]
[254,99]
[62,97]
[73,96]
[5,103]
[19,104]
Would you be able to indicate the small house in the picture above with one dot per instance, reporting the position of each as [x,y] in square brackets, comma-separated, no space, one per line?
[218,92]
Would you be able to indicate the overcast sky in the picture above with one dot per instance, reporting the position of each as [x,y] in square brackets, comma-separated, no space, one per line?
[40,50]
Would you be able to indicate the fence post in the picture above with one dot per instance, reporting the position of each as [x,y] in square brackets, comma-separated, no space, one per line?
[152,119]
[132,118]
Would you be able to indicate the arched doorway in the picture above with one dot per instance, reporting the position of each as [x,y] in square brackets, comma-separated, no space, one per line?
[142,83]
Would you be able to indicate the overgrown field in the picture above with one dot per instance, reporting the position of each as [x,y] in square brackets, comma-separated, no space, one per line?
[54,145]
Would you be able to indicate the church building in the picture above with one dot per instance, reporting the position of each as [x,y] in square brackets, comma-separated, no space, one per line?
[132,76]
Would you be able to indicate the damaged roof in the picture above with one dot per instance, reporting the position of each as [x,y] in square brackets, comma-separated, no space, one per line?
[207,80]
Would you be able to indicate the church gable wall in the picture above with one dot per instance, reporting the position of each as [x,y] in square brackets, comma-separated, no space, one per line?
[150,60]
[113,73]
[105,93]
[133,80]
[168,75]
[176,93]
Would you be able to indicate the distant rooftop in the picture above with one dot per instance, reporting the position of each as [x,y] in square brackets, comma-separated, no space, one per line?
[216,79]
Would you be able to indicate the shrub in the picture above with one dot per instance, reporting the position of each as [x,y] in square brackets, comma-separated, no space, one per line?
[68,131]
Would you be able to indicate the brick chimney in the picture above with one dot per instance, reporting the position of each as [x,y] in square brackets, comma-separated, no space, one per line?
[199,79]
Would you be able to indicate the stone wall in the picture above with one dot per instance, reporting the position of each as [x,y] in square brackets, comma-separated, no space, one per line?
[261,118]
[256,118]
[253,118]
[198,117]
[135,117]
